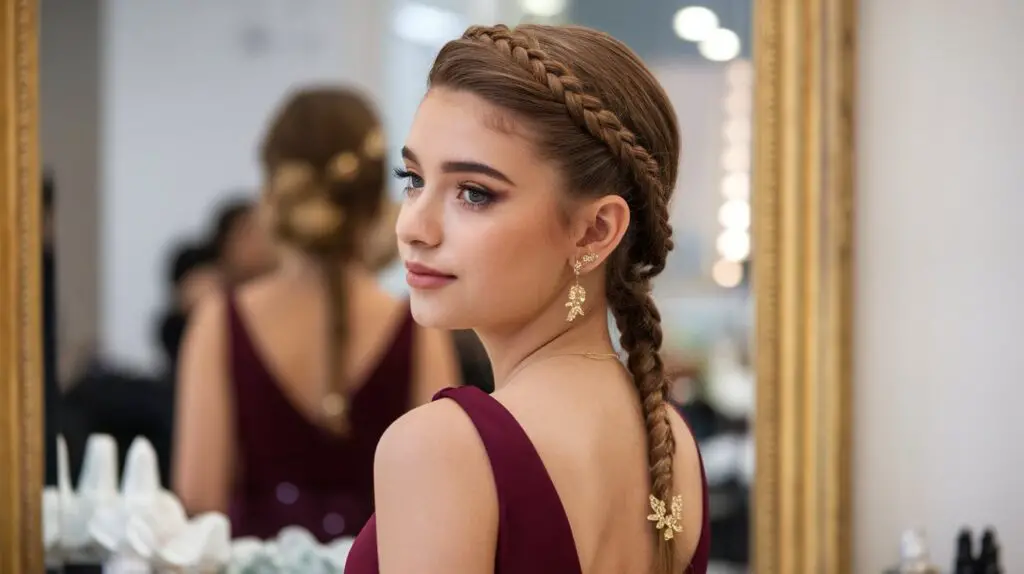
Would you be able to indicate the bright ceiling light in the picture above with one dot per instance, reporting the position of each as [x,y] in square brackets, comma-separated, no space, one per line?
[727,273]
[721,45]
[733,244]
[736,186]
[739,102]
[544,8]
[738,131]
[427,25]
[740,75]
[694,23]
[735,214]
[736,159]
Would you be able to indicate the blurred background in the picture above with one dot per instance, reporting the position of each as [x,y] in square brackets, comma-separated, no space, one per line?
[151,115]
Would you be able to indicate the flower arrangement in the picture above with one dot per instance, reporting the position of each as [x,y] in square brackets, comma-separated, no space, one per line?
[138,527]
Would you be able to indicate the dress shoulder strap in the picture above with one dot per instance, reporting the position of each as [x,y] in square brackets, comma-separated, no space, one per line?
[534,533]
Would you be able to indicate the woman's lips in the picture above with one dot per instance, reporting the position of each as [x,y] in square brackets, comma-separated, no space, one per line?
[419,276]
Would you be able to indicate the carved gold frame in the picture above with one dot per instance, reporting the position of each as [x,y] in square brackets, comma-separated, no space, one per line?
[21,383]
[805,62]
[804,56]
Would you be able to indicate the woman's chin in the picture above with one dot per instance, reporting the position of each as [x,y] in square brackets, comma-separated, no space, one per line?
[432,315]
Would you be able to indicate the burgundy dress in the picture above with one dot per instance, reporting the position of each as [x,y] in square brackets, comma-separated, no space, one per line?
[534,536]
[290,471]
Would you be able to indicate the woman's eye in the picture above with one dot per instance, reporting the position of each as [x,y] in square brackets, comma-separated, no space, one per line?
[474,196]
[412,181]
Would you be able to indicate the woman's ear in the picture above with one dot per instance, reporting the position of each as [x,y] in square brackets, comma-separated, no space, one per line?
[600,225]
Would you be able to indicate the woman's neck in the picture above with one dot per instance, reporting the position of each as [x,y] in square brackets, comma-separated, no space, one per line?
[302,266]
[547,335]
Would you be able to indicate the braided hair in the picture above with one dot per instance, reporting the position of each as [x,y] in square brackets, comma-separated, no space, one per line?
[324,163]
[601,115]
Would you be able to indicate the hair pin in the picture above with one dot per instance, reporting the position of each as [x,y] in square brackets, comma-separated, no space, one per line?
[315,217]
[670,523]
[289,177]
[343,167]
[373,145]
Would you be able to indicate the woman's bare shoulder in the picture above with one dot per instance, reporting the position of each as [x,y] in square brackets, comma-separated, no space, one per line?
[432,432]
[435,497]
[434,451]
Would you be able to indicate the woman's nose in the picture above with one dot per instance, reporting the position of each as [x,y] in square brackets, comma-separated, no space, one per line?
[419,221]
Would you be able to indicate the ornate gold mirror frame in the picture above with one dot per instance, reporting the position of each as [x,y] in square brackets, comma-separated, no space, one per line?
[804,55]
[21,380]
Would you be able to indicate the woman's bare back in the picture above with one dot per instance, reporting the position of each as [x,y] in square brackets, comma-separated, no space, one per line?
[589,431]
[287,319]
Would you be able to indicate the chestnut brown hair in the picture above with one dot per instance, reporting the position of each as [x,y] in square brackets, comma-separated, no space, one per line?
[599,113]
[324,163]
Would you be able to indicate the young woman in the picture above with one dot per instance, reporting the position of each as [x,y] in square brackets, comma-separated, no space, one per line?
[287,384]
[539,169]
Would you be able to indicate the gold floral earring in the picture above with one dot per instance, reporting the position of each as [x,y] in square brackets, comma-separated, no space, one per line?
[577,294]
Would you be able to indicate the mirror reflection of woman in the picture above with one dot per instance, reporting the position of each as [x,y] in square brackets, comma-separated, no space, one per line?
[539,169]
[287,383]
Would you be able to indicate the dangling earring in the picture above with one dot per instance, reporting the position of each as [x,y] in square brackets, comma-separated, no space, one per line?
[577,294]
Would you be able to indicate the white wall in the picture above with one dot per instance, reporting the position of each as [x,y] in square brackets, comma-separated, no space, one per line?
[939,322]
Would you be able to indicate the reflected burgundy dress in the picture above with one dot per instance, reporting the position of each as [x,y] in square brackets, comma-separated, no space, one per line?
[534,536]
[290,471]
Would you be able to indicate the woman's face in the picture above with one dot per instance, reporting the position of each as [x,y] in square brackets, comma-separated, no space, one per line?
[482,230]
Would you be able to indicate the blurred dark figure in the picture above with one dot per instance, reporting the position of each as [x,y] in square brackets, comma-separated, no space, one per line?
[51,386]
[244,248]
[193,274]
[108,399]
[730,494]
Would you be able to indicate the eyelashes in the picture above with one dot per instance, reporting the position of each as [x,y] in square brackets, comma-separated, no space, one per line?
[471,195]
[411,179]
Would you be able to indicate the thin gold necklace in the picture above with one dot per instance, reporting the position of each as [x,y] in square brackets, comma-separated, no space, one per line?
[594,356]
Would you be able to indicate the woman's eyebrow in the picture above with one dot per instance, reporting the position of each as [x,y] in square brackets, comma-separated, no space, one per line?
[462,166]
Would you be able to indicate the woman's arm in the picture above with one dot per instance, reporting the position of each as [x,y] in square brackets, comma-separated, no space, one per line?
[437,509]
[203,449]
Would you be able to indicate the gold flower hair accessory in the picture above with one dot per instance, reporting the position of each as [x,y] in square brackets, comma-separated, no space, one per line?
[315,217]
[373,144]
[290,177]
[344,167]
[670,523]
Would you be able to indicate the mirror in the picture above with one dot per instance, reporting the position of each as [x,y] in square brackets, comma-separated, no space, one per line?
[149,186]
